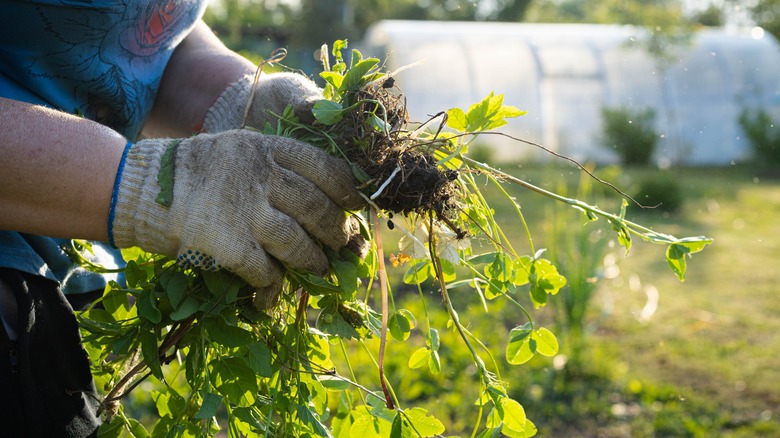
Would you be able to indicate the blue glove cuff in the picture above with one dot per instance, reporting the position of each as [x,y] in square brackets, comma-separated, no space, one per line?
[115,192]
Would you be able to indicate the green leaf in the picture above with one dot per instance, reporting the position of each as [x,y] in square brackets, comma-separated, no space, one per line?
[175,286]
[223,283]
[150,353]
[331,321]
[419,272]
[135,276]
[309,417]
[347,274]
[447,270]
[335,383]
[208,408]
[676,253]
[378,123]
[222,333]
[424,423]
[260,359]
[356,57]
[116,303]
[165,175]
[249,416]
[368,426]
[538,294]
[490,433]
[186,308]
[332,78]
[360,175]
[397,430]
[100,327]
[400,325]
[169,403]
[624,236]
[495,289]
[194,363]
[233,378]
[419,358]
[433,339]
[694,244]
[546,342]
[490,113]
[353,78]
[499,270]
[124,343]
[112,429]
[544,280]
[147,307]
[456,119]
[623,206]
[434,362]
[316,285]
[338,46]
[522,270]
[328,112]
[137,430]
[675,258]
[518,350]
[513,414]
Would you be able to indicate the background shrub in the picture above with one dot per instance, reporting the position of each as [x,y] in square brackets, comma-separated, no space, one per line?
[630,133]
[762,133]
[661,191]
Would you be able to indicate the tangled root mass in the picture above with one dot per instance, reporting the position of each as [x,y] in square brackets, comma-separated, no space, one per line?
[416,184]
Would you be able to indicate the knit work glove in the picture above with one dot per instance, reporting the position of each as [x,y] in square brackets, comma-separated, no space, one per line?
[243,201]
[273,93]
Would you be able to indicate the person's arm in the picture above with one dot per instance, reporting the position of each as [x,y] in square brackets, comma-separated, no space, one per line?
[206,87]
[199,71]
[57,172]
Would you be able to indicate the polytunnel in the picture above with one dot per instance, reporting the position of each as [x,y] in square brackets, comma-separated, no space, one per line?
[563,74]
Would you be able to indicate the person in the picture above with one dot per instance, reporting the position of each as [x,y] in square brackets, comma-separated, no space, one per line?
[95,99]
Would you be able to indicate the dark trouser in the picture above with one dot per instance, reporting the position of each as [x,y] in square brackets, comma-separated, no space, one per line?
[46,389]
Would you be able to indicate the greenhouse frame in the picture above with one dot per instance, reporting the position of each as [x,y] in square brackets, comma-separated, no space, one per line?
[564,74]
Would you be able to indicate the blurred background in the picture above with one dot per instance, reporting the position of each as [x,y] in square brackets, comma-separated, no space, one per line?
[676,103]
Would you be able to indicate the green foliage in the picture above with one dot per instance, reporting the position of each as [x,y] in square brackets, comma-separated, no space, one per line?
[589,398]
[579,249]
[662,192]
[763,135]
[630,134]
[219,363]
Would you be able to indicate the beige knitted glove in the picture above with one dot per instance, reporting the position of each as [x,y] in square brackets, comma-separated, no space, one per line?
[273,93]
[243,201]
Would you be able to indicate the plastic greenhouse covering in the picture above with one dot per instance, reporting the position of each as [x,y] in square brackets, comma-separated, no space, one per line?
[563,74]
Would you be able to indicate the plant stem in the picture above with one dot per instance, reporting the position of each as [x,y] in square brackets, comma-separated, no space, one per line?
[436,261]
[383,288]
[349,366]
[642,231]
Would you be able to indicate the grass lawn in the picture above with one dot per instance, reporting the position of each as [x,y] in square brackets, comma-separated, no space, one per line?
[705,363]
[702,362]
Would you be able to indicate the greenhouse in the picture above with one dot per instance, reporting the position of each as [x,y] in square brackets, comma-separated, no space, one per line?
[564,74]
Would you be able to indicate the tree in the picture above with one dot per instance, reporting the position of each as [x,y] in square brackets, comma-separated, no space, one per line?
[255,24]
[766,13]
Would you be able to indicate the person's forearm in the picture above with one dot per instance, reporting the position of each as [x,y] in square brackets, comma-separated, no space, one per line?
[199,71]
[57,172]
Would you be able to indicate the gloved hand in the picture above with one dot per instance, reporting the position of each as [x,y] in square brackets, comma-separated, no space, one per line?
[273,93]
[243,201]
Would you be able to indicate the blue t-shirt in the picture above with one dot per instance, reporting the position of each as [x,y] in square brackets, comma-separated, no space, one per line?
[100,59]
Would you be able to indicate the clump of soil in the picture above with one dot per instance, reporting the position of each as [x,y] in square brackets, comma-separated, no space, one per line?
[416,183]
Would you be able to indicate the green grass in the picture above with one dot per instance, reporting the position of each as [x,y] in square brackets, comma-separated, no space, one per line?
[712,343]
[705,363]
